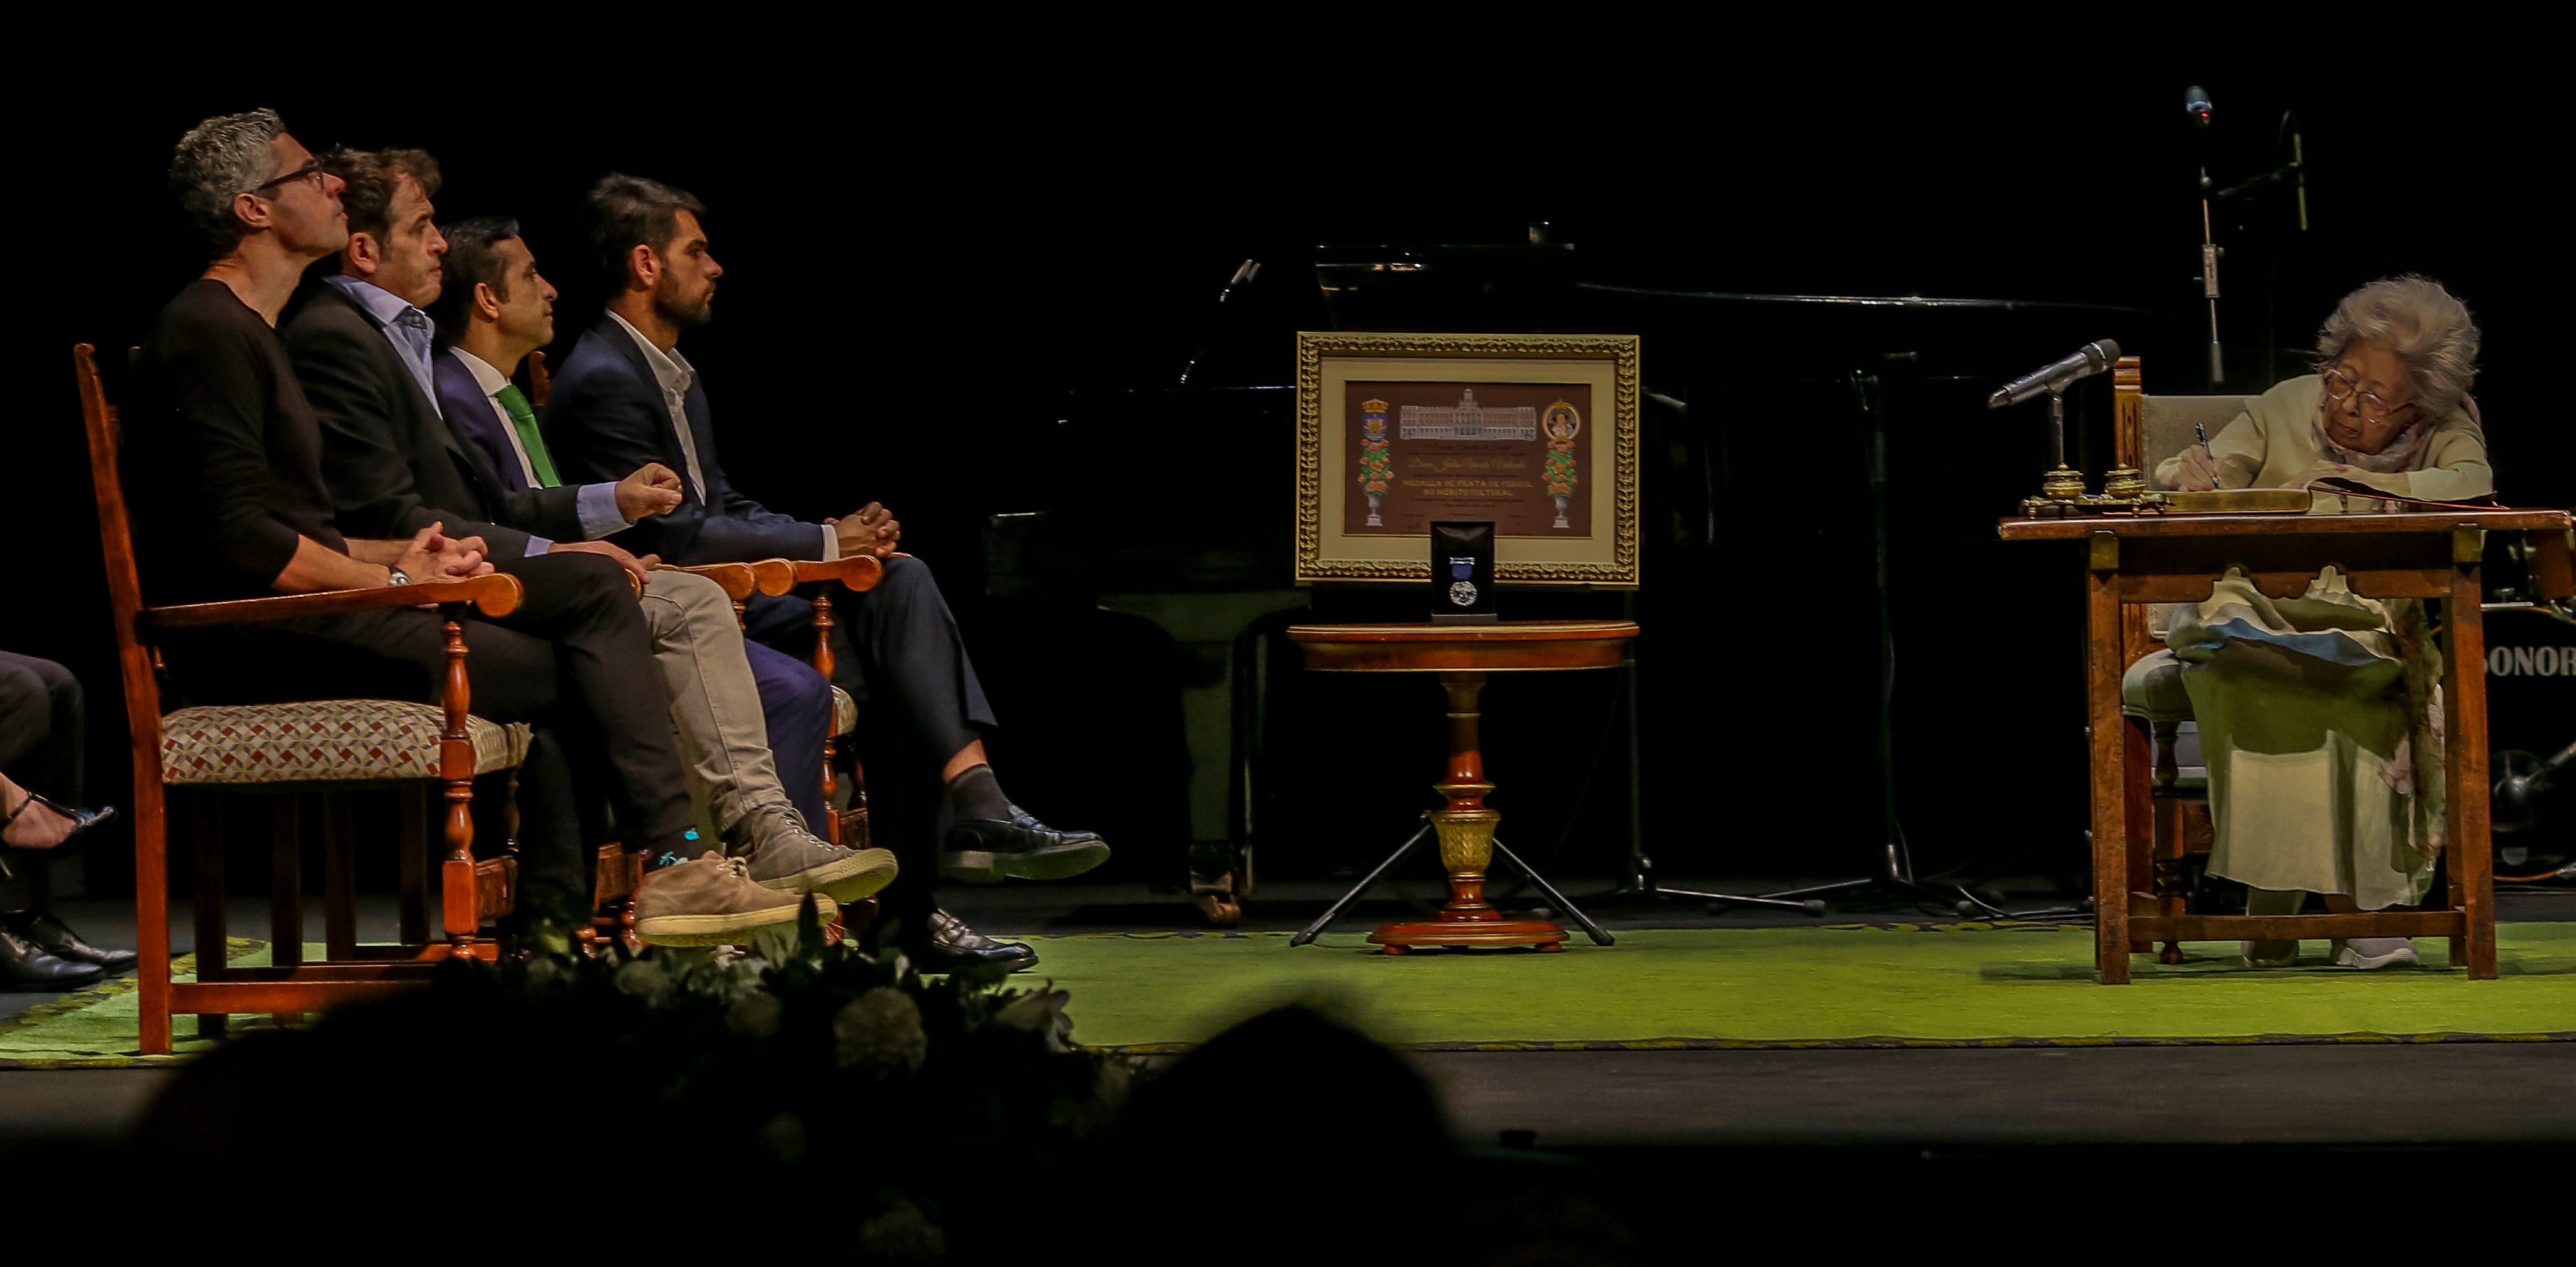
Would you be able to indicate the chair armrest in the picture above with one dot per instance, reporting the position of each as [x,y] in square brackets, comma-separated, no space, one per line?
[493,595]
[773,576]
[859,572]
[735,579]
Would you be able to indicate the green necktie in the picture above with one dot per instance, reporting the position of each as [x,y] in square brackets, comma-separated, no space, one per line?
[524,418]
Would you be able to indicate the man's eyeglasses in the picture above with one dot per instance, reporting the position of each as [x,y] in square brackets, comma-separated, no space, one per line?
[2374,407]
[311,171]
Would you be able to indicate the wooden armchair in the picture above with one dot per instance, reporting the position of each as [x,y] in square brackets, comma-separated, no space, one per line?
[2173,824]
[778,576]
[288,752]
[2148,430]
[848,827]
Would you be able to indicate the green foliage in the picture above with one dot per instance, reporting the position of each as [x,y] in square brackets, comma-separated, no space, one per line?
[1558,472]
[816,1063]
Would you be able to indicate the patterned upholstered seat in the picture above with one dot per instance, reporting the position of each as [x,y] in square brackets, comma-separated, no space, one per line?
[338,740]
[2152,689]
[845,713]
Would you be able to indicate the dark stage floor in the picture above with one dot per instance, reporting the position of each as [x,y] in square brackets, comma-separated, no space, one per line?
[1890,1109]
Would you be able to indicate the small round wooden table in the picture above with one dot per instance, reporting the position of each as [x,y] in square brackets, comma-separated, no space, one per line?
[1462,655]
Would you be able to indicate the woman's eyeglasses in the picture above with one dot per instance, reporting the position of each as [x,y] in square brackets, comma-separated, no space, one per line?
[2340,387]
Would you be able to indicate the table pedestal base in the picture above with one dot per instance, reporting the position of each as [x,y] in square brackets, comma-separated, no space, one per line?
[1466,830]
[1399,938]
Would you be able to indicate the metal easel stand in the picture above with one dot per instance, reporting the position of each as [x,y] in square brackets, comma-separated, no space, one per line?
[1599,936]
[1892,864]
[1639,882]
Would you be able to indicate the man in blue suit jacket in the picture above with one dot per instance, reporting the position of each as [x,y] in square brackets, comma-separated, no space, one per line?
[625,396]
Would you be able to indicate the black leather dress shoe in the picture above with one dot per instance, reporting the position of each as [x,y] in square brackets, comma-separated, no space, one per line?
[989,850]
[952,945]
[24,967]
[56,938]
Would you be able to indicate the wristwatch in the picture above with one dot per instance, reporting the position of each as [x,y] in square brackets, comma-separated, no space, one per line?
[396,576]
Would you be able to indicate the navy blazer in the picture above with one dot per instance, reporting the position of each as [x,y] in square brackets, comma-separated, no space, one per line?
[392,465]
[500,490]
[605,417]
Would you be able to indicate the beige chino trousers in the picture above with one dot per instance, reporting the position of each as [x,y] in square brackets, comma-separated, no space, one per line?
[715,705]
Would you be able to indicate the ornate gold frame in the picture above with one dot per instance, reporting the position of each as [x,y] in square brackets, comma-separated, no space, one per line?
[1315,562]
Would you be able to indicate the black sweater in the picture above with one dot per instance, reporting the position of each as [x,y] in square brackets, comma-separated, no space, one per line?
[223,455]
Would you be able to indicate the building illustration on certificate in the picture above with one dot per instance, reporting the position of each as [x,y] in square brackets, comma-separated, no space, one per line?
[1467,421]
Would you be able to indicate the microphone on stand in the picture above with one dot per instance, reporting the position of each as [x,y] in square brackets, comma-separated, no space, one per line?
[2195,100]
[2086,361]
[2299,173]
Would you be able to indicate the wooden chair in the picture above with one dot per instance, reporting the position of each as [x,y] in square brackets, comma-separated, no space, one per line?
[2147,430]
[2154,707]
[848,827]
[778,576]
[288,751]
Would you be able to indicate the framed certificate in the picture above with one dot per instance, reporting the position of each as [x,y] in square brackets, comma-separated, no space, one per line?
[1536,432]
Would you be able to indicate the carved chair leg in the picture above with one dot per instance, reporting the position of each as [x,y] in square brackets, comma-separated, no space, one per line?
[339,878]
[411,847]
[2167,834]
[2137,813]
[457,887]
[286,888]
[206,813]
[824,665]
[831,779]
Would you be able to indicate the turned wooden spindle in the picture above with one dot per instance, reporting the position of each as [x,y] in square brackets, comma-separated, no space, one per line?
[823,664]
[1465,825]
[456,769]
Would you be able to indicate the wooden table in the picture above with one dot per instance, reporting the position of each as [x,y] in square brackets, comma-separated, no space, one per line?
[1462,655]
[2133,561]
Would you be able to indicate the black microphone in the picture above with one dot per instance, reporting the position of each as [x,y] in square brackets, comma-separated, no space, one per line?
[2196,100]
[2088,360]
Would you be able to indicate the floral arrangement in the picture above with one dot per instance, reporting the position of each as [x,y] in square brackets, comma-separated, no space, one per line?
[818,1065]
[1375,469]
[1558,470]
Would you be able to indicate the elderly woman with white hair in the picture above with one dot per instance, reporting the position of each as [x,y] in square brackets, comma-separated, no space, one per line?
[2321,716]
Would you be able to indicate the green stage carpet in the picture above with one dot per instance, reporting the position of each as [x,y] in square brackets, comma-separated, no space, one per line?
[1851,986]
[101,1026]
[1902,985]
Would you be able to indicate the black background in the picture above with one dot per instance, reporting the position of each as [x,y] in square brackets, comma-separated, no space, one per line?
[919,270]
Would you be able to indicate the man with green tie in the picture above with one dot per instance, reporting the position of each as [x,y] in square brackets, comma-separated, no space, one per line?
[767,714]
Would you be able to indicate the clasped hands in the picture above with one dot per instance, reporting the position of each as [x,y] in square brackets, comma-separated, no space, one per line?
[872,530]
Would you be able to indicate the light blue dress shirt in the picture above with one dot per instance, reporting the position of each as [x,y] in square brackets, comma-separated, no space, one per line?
[406,327]
[412,334]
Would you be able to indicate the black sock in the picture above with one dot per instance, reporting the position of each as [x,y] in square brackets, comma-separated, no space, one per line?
[976,794]
[656,859]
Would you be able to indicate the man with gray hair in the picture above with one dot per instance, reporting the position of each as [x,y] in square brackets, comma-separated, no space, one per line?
[2321,717]
[227,460]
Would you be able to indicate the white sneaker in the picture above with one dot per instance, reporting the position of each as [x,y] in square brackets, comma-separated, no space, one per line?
[2366,953]
[2270,954]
